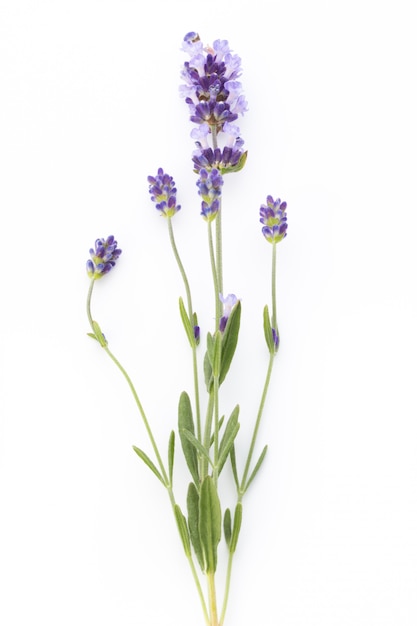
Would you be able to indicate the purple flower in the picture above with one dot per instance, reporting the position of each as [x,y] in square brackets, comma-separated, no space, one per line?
[274,217]
[209,188]
[212,91]
[103,257]
[163,193]
[228,303]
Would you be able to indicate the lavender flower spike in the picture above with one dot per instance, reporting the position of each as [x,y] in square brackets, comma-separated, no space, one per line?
[163,193]
[103,257]
[274,217]
[209,188]
[228,303]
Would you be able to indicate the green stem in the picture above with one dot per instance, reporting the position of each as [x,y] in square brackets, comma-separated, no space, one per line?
[273,287]
[219,248]
[227,587]
[212,599]
[190,315]
[215,276]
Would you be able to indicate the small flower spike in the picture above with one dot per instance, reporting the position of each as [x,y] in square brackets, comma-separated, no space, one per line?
[103,257]
[163,193]
[228,303]
[209,188]
[274,217]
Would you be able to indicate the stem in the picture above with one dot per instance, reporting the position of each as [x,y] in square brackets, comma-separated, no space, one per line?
[190,315]
[273,286]
[219,248]
[212,599]
[227,587]
[207,433]
[214,271]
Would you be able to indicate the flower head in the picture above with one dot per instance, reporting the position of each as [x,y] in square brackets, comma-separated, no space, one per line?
[103,257]
[209,188]
[274,217]
[163,193]
[228,303]
[213,94]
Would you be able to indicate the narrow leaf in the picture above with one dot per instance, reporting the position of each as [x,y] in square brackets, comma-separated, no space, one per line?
[221,420]
[227,526]
[186,423]
[237,522]
[210,523]
[234,468]
[171,451]
[92,335]
[268,331]
[197,445]
[231,430]
[229,342]
[208,362]
[99,335]
[183,529]
[186,323]
[141,454]
[256,468]
[193,516]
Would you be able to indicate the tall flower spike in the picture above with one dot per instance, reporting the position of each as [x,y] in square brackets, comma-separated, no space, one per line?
[209,188]
[103,257]
[274,217]
[163,193]
[214,97]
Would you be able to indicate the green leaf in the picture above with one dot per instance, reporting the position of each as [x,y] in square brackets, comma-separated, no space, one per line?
[221,420]
[234,468]
[256,468]
[229,342]
[99,335]
[231,430]
[92,335]
[141,454]
[268,331]
[227,526]
[186,423]
[237,522]
[208,372]
[210,523]
[194,441]
[186,323]
[208,362]
[171,451]
[183,529]
[193,515]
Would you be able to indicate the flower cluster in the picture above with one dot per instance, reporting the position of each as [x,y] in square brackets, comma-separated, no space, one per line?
[214,97]
[103,257]
[209,188]
[274,217]
[163,193]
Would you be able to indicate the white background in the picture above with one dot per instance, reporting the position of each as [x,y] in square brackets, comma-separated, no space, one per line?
[89,107]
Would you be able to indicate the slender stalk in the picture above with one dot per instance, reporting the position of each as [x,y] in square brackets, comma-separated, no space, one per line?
[207,433]
[219,248]
[212,599]
[190,315]
[216,429]
[215,275]
[227,587]
[273,286]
